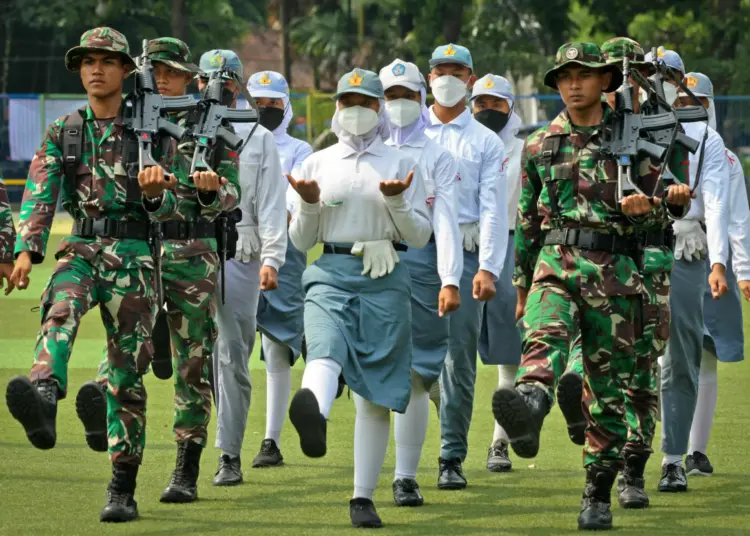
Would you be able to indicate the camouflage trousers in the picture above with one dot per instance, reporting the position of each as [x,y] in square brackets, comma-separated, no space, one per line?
[126,303]
[189,287]
[639,395]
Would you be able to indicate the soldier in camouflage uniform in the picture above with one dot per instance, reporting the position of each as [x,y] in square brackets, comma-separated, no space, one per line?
[189,275]
[576,272]
[7,238]
[107,262]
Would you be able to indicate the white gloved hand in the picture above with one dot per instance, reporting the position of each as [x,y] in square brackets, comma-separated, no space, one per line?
[379,257]
[470,234]
[691,242]
[248,244]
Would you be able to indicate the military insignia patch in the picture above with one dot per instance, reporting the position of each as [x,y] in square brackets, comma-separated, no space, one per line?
[450,51]
[660,52]
[691,82]
[356,79]
[571,53]
[398,70]
[488,84]
[265,80]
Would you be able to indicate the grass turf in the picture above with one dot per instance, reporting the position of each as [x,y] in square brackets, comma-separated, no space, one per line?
[61,491]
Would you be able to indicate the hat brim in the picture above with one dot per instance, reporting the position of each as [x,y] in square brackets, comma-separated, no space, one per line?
[440,61]
[267,94]
[683,94]
[550,79]
[74,56]
[408,85]
[359,91]
[185,67]
[482,92]
[635,64]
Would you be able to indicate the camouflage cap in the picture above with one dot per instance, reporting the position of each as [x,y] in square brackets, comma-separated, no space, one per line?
[615,50]
[101,39]
[173,53]
[586,55]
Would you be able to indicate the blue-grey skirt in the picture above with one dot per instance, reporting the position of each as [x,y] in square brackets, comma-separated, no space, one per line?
[500,338]
[723,334]
[363,324]
[429,332]
[281,311]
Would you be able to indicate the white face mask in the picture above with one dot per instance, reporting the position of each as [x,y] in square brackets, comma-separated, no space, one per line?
[357,120]
[670,93]
[642,95]
[403,112]
[448,90]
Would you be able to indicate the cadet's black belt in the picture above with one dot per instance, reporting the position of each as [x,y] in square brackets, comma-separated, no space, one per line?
[657,239]
[187,230]
[108,228]
[340,250]
[592,240]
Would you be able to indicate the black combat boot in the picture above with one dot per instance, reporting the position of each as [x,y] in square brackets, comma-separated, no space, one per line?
[34,405]
[406,492]
[595,513]
[161,364]
[304,412]
[269,455]
[363,514]
[121,505]
[521,412]
[183,487]
[569,397]
[630,486]
[91,407]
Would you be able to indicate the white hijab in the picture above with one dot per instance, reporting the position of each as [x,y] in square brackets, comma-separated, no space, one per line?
[361,143]
[401,135]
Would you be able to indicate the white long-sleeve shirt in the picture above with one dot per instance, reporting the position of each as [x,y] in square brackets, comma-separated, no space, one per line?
[263,200]
[482,190]
[739,219]
[438,169]
[512,165]
[352,208]
[292,153]
[712,195]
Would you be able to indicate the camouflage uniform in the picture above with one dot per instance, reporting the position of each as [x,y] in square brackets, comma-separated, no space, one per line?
[7,229]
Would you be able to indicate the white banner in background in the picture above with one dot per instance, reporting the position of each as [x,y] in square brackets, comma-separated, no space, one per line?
[25,123]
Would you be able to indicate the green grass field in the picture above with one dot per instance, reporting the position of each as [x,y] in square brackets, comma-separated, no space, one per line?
[61,491]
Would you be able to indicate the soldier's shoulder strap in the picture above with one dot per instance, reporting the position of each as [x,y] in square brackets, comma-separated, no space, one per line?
[71,140]
[544,156]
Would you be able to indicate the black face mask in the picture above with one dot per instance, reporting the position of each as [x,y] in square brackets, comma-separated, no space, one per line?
[271,117]
[227,96]
[495,120]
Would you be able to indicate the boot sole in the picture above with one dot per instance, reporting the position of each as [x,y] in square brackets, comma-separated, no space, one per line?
[665,489]
[112,518]
[409,503]
[569,396]
[499,468]
[26,406]
[633,505]
[91,407]
[304,413]
[264,464]
[162,369]
[170,497]
[226,483]
[595,526]
[452,486]
[512,413]
[698,472]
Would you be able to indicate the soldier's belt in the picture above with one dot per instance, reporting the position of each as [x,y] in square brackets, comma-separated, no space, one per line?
[187,230]
[657,239]
[340,250]
[592,240]
[109,228]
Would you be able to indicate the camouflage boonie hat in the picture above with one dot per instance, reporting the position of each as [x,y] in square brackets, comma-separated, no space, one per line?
[173,53]
[615,50]
[102,39]
[586,55]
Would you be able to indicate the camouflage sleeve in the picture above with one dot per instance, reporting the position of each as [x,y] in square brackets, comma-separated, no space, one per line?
[40,196]
[7,229]
[529,223]
[228,196]
[164,209]
[679,165]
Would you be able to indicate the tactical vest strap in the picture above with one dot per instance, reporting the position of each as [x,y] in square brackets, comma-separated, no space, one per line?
[550,148]
[72,148]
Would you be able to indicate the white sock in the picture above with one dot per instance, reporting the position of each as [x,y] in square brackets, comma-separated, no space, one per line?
[705,408]
[278,386]
[672,459]
[410,430]
[506,379]
[230,454]
[322,378]
[371,430]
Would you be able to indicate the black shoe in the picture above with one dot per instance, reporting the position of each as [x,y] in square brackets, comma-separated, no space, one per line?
[521,412]
[497,458]
[697,464]
[406,492]
[363,514]
[121,505]
[269,455]
[673,478]
[161,363]
[451,474]
[631,493]
[183,486]
[34,405]
[305,415]
[91,407]
[569,396]
[229,473]
[595,505]
[341,386]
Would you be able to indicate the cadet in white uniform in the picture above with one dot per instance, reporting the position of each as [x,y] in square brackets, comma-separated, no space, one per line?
[261,249]
[360,198]
[435,270]
[500,339]
[483,221]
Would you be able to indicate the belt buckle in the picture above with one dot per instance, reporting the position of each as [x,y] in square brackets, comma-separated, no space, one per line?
[99,227]
[86,227]
[566,230]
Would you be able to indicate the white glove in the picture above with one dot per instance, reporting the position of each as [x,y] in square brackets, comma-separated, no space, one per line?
[380,257]
[248,244]
[470,234]
[691,242]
